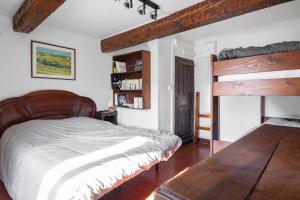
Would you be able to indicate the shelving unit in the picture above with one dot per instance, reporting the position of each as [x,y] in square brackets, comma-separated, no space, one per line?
[145,74]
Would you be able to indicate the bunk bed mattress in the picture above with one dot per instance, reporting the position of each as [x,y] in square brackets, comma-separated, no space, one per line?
[77,158]
[227,54]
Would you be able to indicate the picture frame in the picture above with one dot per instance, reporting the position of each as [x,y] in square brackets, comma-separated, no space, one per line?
[52,61]
[122,99]
[138,65]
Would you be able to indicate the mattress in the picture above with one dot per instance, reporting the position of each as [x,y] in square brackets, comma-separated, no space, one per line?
[226,54]
[77,158]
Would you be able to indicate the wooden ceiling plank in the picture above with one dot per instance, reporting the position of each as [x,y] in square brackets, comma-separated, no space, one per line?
[32,13]
[201,14]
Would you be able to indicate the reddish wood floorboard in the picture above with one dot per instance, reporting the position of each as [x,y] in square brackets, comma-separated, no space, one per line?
[143,185]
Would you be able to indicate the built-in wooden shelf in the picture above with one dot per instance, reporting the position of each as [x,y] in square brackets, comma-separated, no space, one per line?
[129,73]
[145,74]
[131,108]
[122,91]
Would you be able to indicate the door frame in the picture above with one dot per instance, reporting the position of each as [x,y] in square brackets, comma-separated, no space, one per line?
[190,62]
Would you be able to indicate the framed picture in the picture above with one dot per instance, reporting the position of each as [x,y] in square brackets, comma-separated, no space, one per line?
[122,99]
[138,65]
[52,61]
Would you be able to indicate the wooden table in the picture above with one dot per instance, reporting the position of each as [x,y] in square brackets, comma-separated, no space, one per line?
[265,164]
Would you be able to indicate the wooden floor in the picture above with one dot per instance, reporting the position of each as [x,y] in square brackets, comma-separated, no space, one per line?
[142,186]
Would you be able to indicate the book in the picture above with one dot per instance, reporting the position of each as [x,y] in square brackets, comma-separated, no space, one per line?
[140,99]
[131,84]
[135,85]
[116,100]
[135,102]
[141,84]
[120,67]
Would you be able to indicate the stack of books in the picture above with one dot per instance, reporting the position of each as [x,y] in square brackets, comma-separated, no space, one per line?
[120,67]
[132,84]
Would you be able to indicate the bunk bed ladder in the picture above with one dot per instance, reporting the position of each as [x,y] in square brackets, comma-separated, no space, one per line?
[199,116]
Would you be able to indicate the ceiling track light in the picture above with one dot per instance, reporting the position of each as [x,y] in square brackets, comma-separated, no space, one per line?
[150,4]
[153,15]
[142,9]
[128,4]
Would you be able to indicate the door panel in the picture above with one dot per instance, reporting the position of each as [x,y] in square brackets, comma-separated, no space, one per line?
[184,98]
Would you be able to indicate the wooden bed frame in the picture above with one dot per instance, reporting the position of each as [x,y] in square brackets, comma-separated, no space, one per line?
[266,87]
[46,104]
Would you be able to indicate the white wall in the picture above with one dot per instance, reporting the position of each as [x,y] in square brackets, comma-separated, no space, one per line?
[168,49]
[183,49]
[165,56]
[239,114]
[92,67]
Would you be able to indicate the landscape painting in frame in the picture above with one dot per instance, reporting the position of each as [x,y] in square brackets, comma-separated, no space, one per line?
[51,61]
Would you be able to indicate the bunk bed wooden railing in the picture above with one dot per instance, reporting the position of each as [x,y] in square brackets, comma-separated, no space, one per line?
[284,86]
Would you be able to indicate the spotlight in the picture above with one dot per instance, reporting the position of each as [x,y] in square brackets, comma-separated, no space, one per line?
[128,4]
[142,9]
[153,15]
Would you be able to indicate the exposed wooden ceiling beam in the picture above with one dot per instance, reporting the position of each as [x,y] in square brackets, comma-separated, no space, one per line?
[203,13]
[32,13]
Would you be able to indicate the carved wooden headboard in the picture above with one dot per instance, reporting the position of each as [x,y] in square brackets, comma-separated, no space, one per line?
[46,104]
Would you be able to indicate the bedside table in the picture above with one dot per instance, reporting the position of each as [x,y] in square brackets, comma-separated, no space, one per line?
[107,116]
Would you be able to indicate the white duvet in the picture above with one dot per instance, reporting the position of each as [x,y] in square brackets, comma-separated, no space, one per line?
[76,158]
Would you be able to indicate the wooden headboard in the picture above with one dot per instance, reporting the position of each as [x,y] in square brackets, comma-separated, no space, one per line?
[46,104]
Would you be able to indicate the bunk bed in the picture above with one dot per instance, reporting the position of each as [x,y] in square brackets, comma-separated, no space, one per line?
[264,164]
[275,74]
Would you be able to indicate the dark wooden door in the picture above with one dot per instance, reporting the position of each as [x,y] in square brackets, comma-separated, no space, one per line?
[184,98]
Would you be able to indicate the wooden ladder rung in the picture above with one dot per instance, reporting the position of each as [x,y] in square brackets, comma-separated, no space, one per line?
[203,128]
[205,116]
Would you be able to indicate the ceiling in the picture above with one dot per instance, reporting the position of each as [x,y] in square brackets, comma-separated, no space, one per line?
[98,18]
[256,19]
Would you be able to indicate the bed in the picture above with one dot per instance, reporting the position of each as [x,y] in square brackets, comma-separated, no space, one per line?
[52,148]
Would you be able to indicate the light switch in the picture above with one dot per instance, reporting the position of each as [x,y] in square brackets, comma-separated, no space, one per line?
[170,87]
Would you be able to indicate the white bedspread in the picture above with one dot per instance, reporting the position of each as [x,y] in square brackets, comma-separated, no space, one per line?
[76,158]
